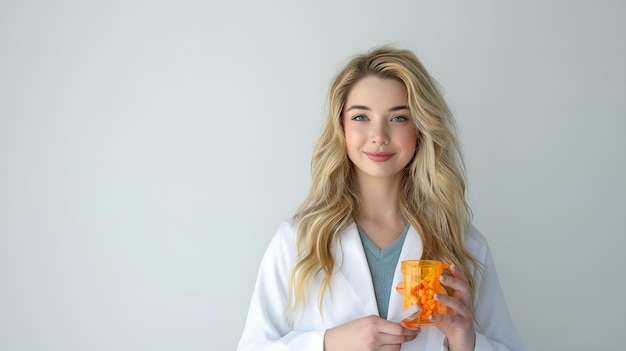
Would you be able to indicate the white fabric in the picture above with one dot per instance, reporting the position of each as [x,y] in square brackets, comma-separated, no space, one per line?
[353,297]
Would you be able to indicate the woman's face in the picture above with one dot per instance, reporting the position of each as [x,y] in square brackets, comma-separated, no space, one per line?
[381,138]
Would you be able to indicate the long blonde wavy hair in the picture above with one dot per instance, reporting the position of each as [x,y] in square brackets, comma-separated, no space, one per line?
[432,193]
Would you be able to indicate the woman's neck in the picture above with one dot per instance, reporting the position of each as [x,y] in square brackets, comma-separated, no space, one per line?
[380,217]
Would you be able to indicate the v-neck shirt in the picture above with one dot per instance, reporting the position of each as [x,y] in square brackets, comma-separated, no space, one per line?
[382,264]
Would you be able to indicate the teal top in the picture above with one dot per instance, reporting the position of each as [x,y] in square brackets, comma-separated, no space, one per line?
[382,264]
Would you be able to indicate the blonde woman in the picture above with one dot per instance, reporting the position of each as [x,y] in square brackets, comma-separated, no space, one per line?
[387,186]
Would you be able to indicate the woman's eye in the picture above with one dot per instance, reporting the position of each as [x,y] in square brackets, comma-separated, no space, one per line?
[398,119]
[360,118]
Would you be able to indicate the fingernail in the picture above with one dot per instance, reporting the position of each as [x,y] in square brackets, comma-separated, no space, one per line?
[443,278]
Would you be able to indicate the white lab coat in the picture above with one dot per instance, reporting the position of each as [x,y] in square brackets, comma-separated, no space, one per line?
[353,297]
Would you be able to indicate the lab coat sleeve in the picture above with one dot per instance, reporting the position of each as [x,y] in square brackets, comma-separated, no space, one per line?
[496,331]
[266,327]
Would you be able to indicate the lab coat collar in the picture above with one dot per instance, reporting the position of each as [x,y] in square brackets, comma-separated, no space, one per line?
[353,267]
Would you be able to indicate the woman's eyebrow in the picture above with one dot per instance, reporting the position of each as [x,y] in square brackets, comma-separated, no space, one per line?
[398,108]
[363,107]
[358,107]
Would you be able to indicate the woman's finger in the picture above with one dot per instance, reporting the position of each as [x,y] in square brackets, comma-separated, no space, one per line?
[456,304]
[448,322]
[457,272]
[454,283]
[393,328]
[388,339]
[390,348]
[459,283]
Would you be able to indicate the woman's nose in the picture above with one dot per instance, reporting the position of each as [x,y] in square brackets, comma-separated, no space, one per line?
[379,134]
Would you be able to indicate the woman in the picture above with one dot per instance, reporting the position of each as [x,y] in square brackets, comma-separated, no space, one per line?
[387,186]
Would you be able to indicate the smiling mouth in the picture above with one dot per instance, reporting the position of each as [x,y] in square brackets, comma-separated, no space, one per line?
[379,156]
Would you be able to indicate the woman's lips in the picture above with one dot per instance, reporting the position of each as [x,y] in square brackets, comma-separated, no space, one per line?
[379,156]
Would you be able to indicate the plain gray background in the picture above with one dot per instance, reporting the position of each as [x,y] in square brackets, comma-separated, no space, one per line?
[149,150]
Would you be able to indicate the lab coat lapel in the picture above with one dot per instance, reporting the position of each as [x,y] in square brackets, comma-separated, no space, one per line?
[411,250]
[353,267]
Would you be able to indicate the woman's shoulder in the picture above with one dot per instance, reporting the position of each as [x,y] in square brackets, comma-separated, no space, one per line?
[281,250]
[287,229]
[285,237]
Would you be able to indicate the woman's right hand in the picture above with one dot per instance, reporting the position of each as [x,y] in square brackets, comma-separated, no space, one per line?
[368,333]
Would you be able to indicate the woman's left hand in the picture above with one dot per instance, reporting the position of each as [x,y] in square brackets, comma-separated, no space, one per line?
[458,324]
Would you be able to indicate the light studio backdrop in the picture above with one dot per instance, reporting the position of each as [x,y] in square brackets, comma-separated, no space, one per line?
[149,150]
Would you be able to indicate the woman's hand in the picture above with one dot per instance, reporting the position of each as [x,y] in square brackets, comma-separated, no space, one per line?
[458,324]
[368,333]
